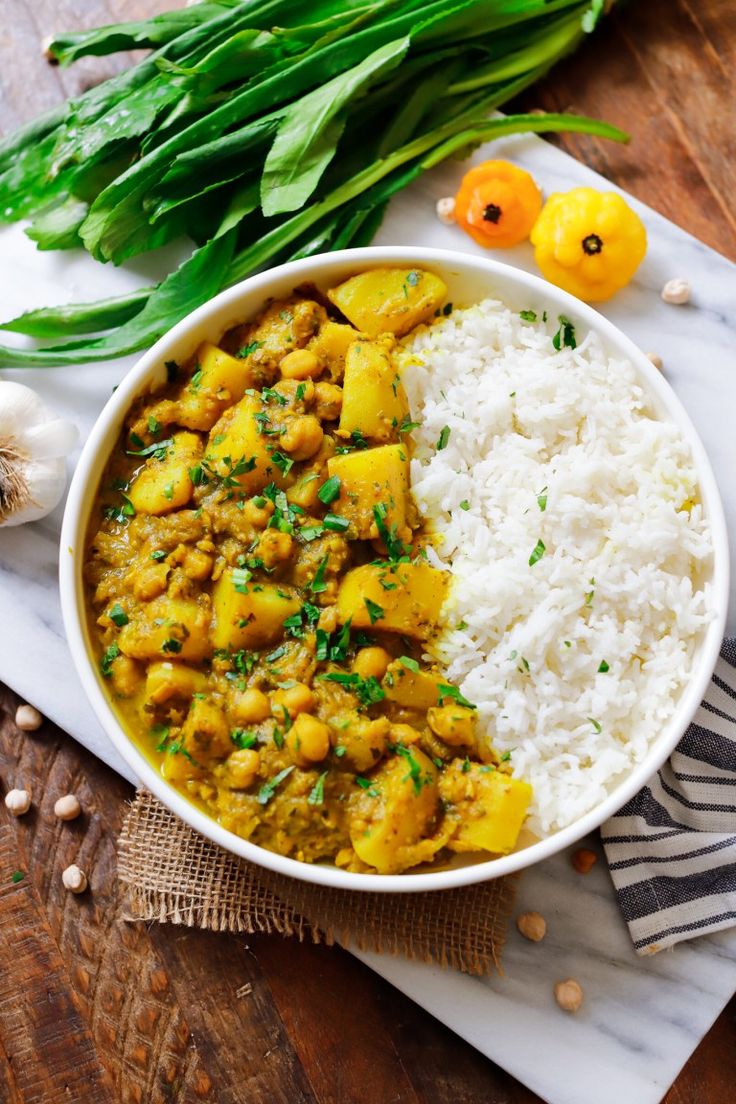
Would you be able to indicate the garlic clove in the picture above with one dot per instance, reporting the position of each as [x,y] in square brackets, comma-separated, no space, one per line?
[49,440]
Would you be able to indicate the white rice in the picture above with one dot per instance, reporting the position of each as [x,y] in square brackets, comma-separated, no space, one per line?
[620,582]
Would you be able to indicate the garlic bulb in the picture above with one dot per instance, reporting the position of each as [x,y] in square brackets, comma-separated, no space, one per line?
[33,447]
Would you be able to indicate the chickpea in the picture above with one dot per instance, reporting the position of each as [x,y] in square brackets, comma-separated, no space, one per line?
[455,724]
[17,802]
[308,739]
[27,718]
[532,926]
[258,511]
[274,547]
[302,437]
[289,388]
[252,706]
[404,734]
[126,674]
[583,860]
[294,699]
[300,364]
[328,619]
[242,767]
[371,662]
[197,565]
[67,807]
[74,879]
[568,995]
[329,401]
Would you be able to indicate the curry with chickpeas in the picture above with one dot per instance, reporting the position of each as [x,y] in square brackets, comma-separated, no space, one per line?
[262,601]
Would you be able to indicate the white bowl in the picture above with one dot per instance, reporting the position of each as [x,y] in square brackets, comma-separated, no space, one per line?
[468,279]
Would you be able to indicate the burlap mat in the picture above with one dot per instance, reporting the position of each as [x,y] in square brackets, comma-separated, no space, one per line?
[174,875]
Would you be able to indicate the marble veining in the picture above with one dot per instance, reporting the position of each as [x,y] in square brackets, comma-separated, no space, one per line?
[641,1018]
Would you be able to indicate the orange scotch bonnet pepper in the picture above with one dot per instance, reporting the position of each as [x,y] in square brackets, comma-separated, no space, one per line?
[497,204]
[589,243]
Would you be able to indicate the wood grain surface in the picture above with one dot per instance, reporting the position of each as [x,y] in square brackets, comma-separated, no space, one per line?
[95,1009]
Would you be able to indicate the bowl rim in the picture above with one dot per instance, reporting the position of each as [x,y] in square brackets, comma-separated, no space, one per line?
[92,460]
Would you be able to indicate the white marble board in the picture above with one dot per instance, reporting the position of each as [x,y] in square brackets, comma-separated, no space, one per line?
[642,1017]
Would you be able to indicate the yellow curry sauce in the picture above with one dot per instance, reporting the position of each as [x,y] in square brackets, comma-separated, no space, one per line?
[260,596]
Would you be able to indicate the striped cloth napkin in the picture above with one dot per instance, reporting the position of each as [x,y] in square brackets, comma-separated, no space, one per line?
[672,849]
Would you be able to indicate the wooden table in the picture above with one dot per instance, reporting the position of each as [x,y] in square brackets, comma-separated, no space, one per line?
[95,1009]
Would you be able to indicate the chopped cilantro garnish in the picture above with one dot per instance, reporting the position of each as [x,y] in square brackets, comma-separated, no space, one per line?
[159,554]
[375,612]
[444,437]
[565,336]
[415,771]
[537,552]
[596,724]
[505,758]
[603,667]
[394,546]
[336,523]
[542,499]
[241,576]
[111,653]
[268,789]
[243,739]
[528,315]
[117,614]
[367,785]
[283,463]
[454,694]
[409,663]
[196,380]
[317,793]
[407,425]
[329,490]
[368,690]
[248,349]
[465,505]
[158,449]
[171,645]
[17,876]
[318,584]
[300,391]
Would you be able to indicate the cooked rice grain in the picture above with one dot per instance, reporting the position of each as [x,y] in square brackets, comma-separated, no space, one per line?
[577,661]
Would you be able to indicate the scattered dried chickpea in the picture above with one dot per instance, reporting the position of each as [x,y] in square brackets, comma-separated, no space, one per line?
[74,879]
[568,995]
[656,360]
[300,364]
[294,699]
[67,807]
[252,706]
[583,860]
[308,739]
[532,925]
[676,291]
[17,802]
[371,661]
[328,397]
[27,718]
[274,547]
[445,209]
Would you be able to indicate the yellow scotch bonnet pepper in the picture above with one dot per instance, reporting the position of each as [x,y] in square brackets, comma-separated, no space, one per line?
[589,243]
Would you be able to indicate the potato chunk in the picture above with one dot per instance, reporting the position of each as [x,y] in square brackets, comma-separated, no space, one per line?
[168,627]
[167,680]
[239,452]
[414,689]
[367,478]
[392,300]
[411,605]
[164,484]
[218,381]
[252,616]
[330,346]
[487,806]
[393,815]
[373,400]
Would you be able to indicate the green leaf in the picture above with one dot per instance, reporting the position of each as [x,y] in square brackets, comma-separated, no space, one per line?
[79,318]
[195,281]
[58,227]
[141,34]
[308,135]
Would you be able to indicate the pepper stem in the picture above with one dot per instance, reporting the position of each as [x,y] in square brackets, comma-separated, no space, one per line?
[592,244]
